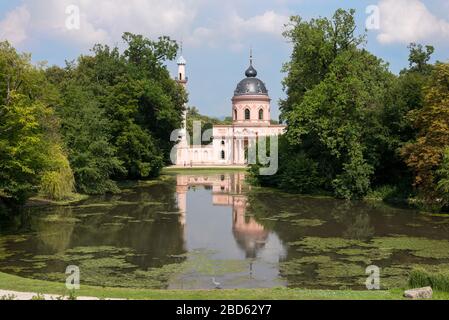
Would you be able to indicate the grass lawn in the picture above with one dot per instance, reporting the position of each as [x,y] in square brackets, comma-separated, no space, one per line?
[14,283]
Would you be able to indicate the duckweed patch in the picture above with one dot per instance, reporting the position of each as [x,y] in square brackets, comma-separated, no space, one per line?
[320,245]
[308,223]
[283,216]
[5,252]
[419,247]
[366,255]
[110,266]
[99,249]
[59,219]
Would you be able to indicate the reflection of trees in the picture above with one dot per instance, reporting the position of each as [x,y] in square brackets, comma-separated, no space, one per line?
[356,222]
[54,231]
[360,229]
[144,220]
[53,227]
[343,218]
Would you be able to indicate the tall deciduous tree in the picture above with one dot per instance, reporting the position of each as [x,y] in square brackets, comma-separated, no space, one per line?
[335,97]
[32,158]
[425,155]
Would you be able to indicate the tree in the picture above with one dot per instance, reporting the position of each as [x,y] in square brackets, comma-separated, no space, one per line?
[337,121]
[336,97]
[419,58]
[407,94]
[86,131]
[315,46]
[425,155]
[31,155]
[119,110]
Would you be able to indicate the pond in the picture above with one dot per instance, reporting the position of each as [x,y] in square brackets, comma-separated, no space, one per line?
[186,229]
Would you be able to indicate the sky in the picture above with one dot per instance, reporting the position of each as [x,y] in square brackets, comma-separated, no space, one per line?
[217,35]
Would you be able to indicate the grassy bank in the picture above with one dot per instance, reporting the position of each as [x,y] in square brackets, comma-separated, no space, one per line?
[14,283]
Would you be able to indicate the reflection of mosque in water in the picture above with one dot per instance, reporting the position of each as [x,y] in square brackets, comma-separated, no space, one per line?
[227,190]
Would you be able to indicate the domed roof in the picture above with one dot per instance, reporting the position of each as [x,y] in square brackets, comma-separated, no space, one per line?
[251,85]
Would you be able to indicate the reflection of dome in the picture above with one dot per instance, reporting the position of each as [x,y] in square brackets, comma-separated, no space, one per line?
[251,85]
[250,243]
[249,235]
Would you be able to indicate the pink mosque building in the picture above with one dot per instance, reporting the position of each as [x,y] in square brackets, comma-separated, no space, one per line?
[251,112]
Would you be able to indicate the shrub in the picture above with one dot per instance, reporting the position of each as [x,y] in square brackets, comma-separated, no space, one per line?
[421,278]
[58,183]
[355,180]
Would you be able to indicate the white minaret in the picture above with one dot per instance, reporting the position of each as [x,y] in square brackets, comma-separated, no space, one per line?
[183,145]
[182,79]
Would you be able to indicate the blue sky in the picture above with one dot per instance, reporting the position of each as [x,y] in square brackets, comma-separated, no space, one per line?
[217,35]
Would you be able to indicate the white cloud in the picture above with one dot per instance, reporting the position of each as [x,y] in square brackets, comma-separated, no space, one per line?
[105,21]
[100,20]
[233,30]
[405,21]
[14,26]
[270,23]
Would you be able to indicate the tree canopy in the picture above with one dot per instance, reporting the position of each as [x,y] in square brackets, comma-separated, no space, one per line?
[353,126]
[104,117]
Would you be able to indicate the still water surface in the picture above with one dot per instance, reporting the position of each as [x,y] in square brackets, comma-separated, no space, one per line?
[181,232]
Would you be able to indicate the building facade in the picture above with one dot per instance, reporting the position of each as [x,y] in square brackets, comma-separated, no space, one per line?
[251,113]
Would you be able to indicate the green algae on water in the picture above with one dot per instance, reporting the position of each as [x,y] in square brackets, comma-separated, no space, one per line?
[308,222]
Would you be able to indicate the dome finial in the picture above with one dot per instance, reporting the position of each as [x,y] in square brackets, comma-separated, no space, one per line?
[251,72]
[251,55]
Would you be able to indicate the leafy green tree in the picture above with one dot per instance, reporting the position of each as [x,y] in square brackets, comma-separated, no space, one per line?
[316,44]
[31,155]
[425,155]
[407,94]
[139,152]
[119,110]
[419,58]
[86,131]
[335,106]
[21,141]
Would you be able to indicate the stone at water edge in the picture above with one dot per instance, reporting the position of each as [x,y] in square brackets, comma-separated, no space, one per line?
[421,293]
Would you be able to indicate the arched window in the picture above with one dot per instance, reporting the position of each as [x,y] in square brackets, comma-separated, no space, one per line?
[235,114]
[261,114]
[223,155]
[247,114]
